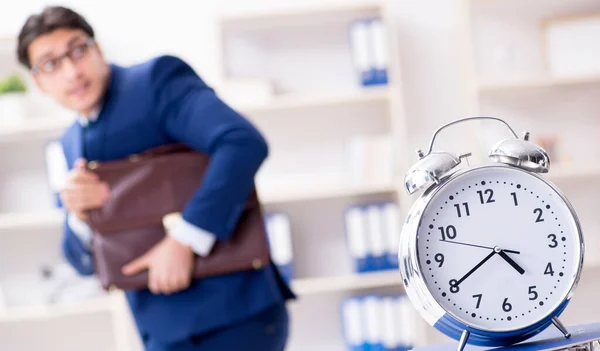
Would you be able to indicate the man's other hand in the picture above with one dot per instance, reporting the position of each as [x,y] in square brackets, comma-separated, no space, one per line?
[83,190]
[169,264]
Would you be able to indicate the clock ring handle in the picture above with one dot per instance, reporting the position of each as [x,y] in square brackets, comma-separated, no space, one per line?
[464,120]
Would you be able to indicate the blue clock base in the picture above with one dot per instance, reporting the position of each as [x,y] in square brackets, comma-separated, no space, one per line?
[550,339]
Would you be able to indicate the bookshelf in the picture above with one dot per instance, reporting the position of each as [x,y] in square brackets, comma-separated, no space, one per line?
[508,75]
[302,118]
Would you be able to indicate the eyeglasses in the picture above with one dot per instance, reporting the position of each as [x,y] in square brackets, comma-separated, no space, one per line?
[74,54]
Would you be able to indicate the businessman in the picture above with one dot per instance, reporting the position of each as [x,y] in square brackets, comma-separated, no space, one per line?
[126,110]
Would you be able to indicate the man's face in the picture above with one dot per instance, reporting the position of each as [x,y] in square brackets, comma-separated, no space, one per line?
[69,67]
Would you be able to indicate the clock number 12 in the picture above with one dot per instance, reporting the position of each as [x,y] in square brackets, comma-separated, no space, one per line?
[489,193]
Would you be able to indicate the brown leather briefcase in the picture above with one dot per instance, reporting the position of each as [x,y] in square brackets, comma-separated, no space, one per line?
[145,188]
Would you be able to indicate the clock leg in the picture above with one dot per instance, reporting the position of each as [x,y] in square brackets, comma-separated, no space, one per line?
[463,340]
[558,324]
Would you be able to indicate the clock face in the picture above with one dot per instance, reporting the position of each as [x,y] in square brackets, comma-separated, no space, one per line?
[499,248]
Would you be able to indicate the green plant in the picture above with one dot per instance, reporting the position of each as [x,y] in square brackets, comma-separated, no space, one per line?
[12,84]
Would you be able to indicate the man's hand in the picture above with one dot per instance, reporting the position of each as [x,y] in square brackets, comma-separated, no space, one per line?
[169,264]
[83,190]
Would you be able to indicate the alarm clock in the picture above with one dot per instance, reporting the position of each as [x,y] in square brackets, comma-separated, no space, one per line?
[490,254]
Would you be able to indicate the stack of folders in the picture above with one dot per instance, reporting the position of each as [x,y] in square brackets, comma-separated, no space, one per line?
[378,323]
[280,242]
[373,236]
[368,41]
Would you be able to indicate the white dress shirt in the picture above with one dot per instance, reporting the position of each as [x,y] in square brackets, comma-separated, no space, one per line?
[198,239]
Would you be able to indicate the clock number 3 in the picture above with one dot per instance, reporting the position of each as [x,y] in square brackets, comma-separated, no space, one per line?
[554,243]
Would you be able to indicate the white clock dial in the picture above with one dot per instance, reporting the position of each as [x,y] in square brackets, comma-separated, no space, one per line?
[499,248]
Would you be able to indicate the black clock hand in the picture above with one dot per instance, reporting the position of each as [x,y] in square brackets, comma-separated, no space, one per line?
[476,267]
[511,262]
[483,247]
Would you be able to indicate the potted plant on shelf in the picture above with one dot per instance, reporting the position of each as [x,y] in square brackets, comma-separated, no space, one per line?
[12,98]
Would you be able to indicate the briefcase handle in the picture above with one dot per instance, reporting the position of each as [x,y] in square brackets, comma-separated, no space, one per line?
[155,151]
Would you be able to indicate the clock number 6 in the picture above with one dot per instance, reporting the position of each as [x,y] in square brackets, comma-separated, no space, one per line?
[506,307]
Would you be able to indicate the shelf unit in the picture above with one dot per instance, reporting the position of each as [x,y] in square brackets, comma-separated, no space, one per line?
[507,76]
[316,211]
[358,110]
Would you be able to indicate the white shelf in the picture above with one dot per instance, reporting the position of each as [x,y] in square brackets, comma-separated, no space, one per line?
[40,312]
[52,127]
[46,219]
[292,102]
[296,193]
[303,12]
[309,286]
[547,83]
[38,128]
[55,218]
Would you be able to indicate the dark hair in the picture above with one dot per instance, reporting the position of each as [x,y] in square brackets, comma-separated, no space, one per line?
[49,20]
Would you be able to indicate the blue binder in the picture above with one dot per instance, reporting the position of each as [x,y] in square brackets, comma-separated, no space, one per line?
[549,340]
[360,43]
[376,242]
[391,223]
[379,51]
[280,243]
[352,324]
[356,238]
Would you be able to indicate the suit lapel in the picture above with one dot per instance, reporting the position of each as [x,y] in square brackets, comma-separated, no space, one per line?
[77,143]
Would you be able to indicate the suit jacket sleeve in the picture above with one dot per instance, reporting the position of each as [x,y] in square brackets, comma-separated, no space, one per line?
[191,112]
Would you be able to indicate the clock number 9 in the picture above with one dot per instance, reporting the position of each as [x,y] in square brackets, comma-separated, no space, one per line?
[439,258]
[449,232]
[454,286]
[506,307]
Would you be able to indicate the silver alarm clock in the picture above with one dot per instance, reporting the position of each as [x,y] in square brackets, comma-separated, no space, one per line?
[489,255]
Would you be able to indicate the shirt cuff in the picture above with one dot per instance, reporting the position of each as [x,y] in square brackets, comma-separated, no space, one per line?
[200,240]
[81,230]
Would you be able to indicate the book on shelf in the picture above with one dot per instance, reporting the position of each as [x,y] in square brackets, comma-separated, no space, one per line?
[373,236]
[378,322]
[280,242]
[368,41]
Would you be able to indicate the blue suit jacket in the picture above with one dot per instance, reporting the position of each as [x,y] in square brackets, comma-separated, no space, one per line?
[163,101]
